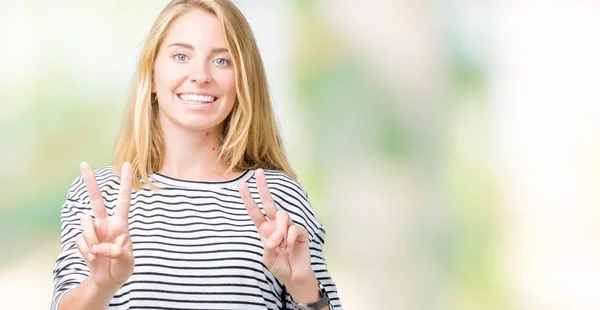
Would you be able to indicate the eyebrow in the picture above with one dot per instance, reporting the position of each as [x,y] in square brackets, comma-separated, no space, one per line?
[215,50]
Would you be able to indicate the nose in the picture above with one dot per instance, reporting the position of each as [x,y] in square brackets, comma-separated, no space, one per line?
[199,73]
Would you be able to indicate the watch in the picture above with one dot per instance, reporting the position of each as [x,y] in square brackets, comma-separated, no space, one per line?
[317,305]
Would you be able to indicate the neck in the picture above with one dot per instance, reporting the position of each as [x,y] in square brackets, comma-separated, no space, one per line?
[192,155]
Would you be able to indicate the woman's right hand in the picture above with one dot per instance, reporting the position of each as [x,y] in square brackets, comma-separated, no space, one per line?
[105,243]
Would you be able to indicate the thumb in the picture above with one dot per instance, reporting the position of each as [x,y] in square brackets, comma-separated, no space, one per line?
[123,256]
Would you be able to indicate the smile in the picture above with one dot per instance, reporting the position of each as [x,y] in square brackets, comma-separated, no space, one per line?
[196,99]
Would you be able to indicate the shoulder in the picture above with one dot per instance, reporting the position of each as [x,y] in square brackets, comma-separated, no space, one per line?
[291,196]
[280,180]
[107,179]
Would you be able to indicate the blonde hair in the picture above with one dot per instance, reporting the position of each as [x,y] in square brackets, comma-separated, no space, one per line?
[250,139]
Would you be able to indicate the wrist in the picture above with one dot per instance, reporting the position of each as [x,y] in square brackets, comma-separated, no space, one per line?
[99,291]
[305,289]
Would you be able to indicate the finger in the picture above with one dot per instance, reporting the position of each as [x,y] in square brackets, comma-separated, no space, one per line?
[123,241]
[255,214]
[123,257]
[265,196]
[89,231]
[93,191]
[124,200]
[267,230]
[83,247]
[291,238]
[282,226]
[302,234]
[110,250]
[271,243]
[296,234]
[270,253]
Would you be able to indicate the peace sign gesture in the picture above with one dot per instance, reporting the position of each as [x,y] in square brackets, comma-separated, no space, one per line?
[105,243]
[286,251]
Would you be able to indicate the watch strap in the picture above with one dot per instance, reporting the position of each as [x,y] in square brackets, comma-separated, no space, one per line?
[317,305]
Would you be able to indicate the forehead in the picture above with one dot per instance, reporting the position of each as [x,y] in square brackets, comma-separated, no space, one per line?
[197,27]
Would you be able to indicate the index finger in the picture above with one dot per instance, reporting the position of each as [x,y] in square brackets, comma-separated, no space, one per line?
[255,214]
[93,191]
[124,200]
[265,195]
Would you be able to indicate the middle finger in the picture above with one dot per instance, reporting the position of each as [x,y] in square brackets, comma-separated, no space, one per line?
[282,226]
[124,200]
[265,196]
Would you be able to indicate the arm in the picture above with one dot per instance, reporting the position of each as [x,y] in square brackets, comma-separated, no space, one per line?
[97,257]
[70,269]
[291,253]
[86,296]
[308,291]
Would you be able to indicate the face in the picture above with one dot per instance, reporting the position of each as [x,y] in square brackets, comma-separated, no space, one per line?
[194,79]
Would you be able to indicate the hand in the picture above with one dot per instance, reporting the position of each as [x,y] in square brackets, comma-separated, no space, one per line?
[286,251]
[105,244]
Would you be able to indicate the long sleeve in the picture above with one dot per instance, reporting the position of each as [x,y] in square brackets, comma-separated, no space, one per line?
[319,265]
[70,268]
[289,195]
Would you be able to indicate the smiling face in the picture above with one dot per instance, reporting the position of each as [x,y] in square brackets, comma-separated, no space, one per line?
[194,78]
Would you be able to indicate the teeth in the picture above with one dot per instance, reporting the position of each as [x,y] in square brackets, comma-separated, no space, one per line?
[197,98]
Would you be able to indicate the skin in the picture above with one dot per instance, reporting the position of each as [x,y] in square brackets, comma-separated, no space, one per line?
[188,63]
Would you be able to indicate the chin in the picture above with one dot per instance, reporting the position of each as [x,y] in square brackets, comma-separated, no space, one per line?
[198,124]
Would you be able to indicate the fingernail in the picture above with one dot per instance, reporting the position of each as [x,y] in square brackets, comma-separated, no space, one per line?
[94,249]
[90,256]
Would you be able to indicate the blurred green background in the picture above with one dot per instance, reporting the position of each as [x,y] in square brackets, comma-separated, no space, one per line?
[450,147]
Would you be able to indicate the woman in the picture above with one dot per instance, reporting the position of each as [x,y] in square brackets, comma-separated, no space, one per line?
[176,224]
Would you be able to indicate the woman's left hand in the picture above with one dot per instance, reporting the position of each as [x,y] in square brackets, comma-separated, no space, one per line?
[286,251]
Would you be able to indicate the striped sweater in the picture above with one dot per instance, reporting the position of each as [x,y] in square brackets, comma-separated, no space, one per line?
[194,243]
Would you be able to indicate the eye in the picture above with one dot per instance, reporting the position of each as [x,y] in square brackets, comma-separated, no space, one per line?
[180,57]
[220,61]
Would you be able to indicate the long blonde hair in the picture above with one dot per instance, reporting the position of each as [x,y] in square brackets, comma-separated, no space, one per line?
[250,138]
